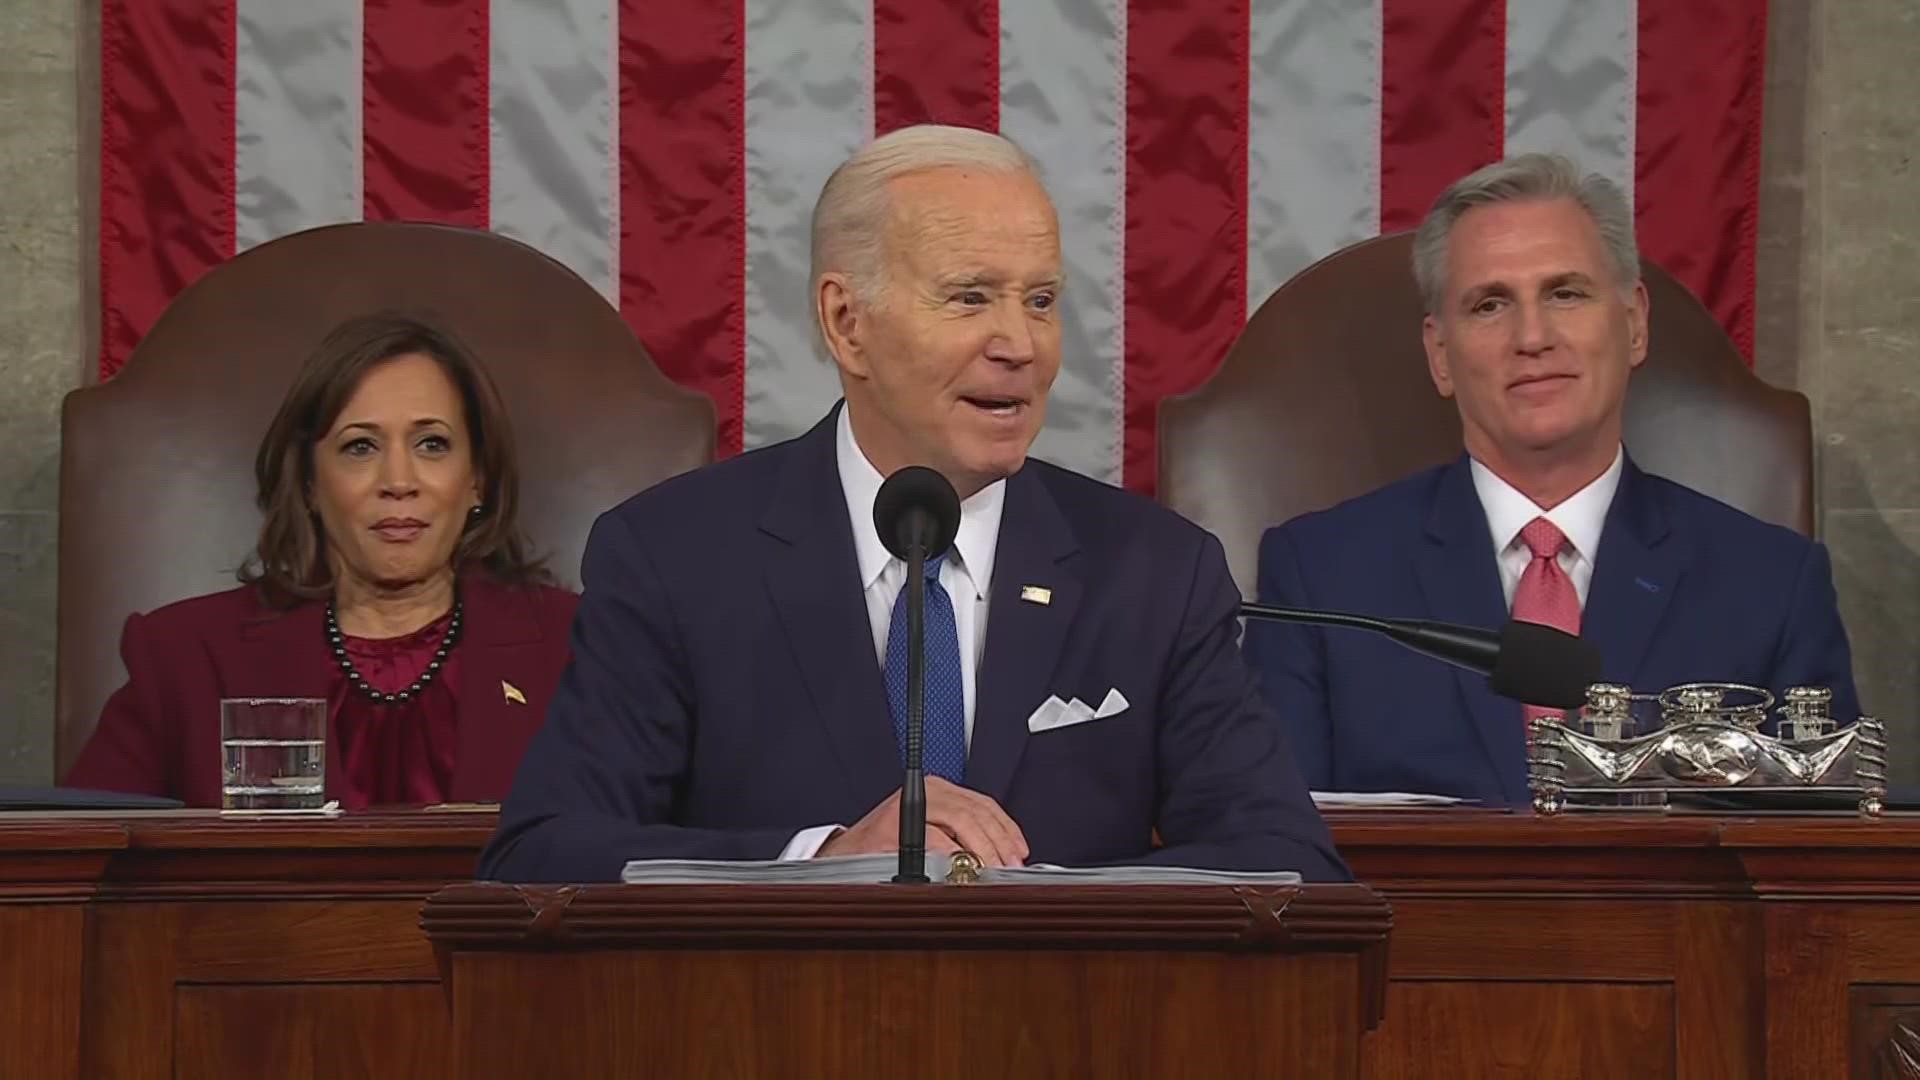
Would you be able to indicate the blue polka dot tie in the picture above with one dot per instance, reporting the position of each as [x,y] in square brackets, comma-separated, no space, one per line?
[944,751]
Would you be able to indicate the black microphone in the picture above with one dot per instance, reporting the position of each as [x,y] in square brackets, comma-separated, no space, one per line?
[917,513]
[1528,662]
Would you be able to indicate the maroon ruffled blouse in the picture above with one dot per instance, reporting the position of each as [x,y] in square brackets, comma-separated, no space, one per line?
[403,752]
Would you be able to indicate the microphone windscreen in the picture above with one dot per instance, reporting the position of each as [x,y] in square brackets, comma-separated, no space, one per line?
[1540,665]
[917,499]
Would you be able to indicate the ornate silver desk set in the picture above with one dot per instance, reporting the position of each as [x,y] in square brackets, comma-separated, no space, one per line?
[1707,738]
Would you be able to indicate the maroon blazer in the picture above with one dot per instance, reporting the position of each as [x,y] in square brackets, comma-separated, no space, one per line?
[160,732]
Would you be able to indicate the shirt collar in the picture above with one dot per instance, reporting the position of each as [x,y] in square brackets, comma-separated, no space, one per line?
[973,547]
[1581,518]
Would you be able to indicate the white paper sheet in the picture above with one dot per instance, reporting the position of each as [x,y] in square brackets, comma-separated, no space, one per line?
[1334,800]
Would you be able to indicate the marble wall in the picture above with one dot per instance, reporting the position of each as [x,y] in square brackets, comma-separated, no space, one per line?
[1840,313]
[1839,320]
[42,351]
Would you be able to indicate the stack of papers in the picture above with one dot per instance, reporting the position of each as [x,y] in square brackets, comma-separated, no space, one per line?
[832,870]
[1326,800]
[1043,873]
[876,869]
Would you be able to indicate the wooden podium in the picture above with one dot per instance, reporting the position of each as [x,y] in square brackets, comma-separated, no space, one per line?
[180,945]
[972,981]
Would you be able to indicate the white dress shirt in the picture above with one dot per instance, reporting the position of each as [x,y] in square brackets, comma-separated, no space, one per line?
[967,575]
[1581,518]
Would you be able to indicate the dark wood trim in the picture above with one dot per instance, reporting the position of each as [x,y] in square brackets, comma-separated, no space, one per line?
[1205,917]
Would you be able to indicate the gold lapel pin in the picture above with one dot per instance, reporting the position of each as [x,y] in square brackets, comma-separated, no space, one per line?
[512,692]
[1036,594]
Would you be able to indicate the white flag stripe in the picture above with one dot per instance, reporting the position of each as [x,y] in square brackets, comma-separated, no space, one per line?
[1063,99]
[554,175]
[1313,134]
[1571,82]
[809,78]
[297,149]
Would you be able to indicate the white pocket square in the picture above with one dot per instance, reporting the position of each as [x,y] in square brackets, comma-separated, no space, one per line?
[1054,713]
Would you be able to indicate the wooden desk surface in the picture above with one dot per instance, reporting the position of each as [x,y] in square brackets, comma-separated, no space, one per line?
[1626,944]
[170,944]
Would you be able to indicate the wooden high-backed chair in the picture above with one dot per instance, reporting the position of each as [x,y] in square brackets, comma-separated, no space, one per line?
[1325,396]
[156,479]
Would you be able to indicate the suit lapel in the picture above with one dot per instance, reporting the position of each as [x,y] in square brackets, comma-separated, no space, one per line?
[503,645]
[813,579]
[1024,638]
[1461,580]
[280,654]
[1635,573]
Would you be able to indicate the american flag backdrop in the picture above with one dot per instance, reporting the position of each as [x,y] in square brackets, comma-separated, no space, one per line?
[669,152]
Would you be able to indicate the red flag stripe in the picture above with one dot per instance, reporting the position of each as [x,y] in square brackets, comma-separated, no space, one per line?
[1443,82]
[424,111]
[166,158]
[936,61]
[683,194]
[1697,150]
[1185,279]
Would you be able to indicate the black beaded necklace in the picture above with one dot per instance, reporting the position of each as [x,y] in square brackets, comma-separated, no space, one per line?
[337,642]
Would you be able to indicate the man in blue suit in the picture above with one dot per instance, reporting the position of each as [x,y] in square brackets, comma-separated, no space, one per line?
[1536,317]
[737,683]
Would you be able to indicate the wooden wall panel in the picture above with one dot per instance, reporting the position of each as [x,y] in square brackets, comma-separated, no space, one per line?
[336,1031]
[373,940]
[1545,938]
[131,970]
[801,1015]
[1719,991]
[1522,1031]
[41,981]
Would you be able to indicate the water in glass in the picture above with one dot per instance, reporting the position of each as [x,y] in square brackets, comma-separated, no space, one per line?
[274,753]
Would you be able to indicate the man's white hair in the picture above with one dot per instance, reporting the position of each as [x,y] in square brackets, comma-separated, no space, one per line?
[851,215]
[1525,177]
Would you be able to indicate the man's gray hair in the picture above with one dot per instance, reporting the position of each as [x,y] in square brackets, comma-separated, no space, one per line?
[851,215]
[1524,178]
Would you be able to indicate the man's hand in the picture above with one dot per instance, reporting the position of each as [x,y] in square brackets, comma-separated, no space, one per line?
[957,818]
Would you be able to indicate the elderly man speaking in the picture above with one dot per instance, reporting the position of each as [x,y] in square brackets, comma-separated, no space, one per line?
[742,625]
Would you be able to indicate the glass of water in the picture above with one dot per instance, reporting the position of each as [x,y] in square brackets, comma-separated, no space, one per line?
[273,753]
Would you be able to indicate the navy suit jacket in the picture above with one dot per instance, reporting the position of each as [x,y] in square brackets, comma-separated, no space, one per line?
[723,692]
[1684,589]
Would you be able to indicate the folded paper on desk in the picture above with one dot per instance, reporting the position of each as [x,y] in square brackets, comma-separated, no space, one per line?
[876,869]
[1354,799]
[34,797]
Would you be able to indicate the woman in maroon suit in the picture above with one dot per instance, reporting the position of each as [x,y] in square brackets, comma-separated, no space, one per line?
[390,579]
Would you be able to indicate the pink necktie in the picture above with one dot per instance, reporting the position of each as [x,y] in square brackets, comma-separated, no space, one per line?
[1545,593]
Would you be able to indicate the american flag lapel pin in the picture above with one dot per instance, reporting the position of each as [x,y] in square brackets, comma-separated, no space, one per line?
[512,692]
[1036,594]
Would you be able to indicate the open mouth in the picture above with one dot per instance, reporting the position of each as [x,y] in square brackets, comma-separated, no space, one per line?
[995,406]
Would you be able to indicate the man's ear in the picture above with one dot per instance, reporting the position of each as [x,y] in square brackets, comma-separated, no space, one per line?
[1639,310]
[1436,346]
[842,323]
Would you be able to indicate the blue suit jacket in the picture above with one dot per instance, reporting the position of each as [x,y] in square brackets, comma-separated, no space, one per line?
[724,694]
[1684,589]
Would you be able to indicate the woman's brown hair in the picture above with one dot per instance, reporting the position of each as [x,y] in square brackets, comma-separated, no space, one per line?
[290,561]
